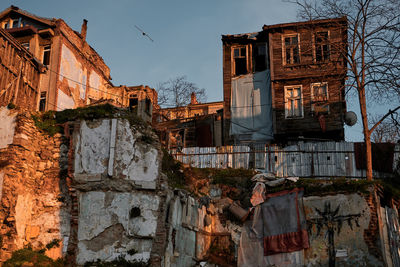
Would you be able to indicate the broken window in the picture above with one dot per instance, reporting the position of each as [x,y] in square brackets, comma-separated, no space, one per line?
[133,102]
[15,23]
[260,57]
[239,60]
[46,55]
[322,47]
[319,97]
[291,49]
[293,102]
[42,101]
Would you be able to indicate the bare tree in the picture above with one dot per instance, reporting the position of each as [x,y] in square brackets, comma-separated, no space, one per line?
[373,52]
[177,92]
[388,131]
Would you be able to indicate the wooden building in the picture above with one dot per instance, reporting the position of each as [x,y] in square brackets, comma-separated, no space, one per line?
[196,124]
[76,75]
[64,71]
[19,74]
[285,82]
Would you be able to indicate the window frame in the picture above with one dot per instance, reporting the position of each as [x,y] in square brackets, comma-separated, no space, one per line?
[313,101]
[46,48]
[284,49]
[328,42]
[233,70]
[255,55]
[286,102]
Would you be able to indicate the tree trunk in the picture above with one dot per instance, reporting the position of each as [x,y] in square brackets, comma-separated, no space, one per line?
[367,134]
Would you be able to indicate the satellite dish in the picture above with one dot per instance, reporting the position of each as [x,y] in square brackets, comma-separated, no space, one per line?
[350,118]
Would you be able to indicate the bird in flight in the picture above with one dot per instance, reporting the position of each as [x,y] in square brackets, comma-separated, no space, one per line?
[143,33]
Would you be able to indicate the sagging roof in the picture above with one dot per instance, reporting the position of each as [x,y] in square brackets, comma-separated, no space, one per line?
[254,35]
[14,9]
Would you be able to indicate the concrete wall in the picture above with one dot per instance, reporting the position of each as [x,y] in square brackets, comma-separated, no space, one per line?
[351,217]
[116,174]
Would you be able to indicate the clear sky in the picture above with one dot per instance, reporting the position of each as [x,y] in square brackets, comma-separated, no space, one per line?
[186,34]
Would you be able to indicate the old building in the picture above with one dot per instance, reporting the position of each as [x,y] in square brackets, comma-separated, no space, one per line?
[285,82]
[196,124]
[19,73]
[76,75]
[64,70]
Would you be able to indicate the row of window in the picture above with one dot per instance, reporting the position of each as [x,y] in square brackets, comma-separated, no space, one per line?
[294,100]
[14,23]
[291,53]
[291,48]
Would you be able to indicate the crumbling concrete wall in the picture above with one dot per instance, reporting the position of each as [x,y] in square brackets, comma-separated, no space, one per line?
[116,177]
[351,216]
[34,204]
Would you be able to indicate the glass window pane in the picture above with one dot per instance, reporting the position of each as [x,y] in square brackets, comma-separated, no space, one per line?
[236,52]
[287,40]
[294,40]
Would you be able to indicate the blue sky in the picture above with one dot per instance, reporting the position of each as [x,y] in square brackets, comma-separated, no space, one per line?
[186,34]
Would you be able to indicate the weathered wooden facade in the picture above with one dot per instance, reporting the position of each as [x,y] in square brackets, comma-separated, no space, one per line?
[305,66]
[19,74]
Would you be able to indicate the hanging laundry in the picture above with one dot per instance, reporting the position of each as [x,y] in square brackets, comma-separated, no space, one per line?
[284,224]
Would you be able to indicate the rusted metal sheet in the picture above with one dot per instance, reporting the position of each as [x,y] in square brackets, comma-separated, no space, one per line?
[304,159]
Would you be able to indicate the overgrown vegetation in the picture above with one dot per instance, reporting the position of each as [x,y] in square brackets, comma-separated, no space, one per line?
[173,169]
[120,262]
[52,122]
[35,258]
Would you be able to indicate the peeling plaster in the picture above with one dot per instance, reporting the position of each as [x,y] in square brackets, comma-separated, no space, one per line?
[64,101]
[92,150]
[72,69]
[105,218]
[135,161]
[7,127]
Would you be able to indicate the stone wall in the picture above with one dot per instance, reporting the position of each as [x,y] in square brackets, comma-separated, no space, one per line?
[99,189]
[35,206]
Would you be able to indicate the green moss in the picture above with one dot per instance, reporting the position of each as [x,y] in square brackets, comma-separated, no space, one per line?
[120,262]
[47,123]
[53,243]
[232,177]
[52,122]
[173,169]
[27,255]
[316,187]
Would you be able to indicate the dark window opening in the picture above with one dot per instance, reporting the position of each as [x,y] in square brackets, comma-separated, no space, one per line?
[322,48]
[147,105]
[240,61]
[292,51]
[46,55]
[133,102]
[15,23]
[42,101]
[6,25]
[260,57]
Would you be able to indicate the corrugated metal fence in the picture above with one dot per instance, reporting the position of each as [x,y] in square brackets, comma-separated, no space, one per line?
[305,159]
